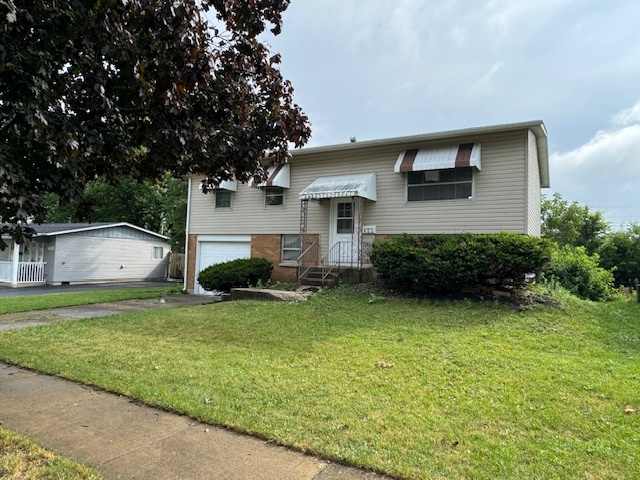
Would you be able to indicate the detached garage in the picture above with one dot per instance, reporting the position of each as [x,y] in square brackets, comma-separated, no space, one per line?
[62,253]
[213,249]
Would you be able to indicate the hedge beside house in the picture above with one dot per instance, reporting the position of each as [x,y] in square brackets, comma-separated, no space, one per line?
[442,262]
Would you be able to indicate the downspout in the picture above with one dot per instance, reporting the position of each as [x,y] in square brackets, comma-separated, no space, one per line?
[186,240]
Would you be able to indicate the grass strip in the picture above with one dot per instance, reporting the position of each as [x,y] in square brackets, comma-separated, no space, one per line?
[70,299]
[21,458]
[415,389]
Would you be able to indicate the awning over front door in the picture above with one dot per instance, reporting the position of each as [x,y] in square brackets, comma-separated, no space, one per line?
[360,185]
[441,158]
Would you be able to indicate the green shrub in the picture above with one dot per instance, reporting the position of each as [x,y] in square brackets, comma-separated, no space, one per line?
[447,262]
[622,251]
[243,272]
[581,273]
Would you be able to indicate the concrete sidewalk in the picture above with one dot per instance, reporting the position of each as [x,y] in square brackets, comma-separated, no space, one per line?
[124,439]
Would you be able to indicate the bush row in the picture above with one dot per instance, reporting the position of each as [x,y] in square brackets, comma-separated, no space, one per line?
[441,262]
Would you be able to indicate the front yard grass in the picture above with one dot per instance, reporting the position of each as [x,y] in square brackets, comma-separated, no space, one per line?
[70,299]
[415,389]
[20,458]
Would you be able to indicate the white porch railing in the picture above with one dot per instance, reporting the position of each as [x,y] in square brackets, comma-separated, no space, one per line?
[6,272]
[28,272]
[345,254]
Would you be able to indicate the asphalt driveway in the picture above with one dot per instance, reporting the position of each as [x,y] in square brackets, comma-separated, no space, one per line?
[6,292]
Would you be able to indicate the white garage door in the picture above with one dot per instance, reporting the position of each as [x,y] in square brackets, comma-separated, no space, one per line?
[214,252]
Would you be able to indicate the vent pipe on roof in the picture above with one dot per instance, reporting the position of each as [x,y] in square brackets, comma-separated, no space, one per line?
[353,139]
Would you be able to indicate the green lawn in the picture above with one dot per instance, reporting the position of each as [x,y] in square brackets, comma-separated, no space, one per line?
[68,299]
[20,458]
[415,389]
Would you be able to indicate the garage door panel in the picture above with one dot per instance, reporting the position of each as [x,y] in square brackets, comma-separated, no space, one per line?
[212,253]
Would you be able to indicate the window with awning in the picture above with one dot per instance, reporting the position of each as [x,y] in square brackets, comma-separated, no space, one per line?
[441,173]
[440,158]
[227,185]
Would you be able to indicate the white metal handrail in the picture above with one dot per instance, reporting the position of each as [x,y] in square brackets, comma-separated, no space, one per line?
[331,260]
[308,259]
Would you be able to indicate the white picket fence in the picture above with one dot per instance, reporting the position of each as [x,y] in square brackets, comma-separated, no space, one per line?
[28,272]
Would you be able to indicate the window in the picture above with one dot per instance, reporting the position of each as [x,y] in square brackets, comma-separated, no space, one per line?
[223,199]
[158,253]
[273,196]
[290,248]
[34,252]
[447,184]
[345,217]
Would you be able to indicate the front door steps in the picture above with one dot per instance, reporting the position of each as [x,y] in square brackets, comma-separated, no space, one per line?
[315,276]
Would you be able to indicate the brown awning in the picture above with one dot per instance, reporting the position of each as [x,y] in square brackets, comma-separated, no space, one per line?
[441,158]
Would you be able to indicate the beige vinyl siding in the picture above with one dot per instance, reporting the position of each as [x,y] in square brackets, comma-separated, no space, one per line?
[81,258]
[498,203]
[533,186]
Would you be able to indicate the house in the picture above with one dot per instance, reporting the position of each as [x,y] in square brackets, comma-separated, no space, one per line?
[328,204]
[65,253]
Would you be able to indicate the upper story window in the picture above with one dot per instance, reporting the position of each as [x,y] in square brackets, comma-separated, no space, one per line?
[223,199]
[273,196]
[449,184]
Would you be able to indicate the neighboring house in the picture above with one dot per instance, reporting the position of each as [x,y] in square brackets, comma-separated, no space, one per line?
[62,253]
[328,204]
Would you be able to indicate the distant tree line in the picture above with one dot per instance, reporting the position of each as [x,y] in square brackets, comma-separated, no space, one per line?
[573,226]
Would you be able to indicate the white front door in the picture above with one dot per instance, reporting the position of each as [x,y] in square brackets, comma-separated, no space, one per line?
[344,248]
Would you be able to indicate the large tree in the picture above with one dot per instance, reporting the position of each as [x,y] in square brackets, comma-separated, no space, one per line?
[621,250]
[572,224]
[111,88]
[159,206]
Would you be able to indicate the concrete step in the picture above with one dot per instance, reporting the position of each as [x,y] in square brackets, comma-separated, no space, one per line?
[318,282]
[314,278]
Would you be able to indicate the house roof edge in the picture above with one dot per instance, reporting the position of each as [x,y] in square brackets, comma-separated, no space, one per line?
[536,126]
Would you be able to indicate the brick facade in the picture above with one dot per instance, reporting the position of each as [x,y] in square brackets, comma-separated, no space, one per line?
[264,246]
[269,247]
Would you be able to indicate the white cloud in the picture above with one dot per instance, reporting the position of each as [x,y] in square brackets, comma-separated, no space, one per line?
[604,172]
[507,15]
[486,80]
[379,68]
[630,116]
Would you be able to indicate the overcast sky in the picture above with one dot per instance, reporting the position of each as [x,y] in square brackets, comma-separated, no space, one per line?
[385,68]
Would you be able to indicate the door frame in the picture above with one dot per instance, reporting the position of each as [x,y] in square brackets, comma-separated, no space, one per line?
[349,254]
